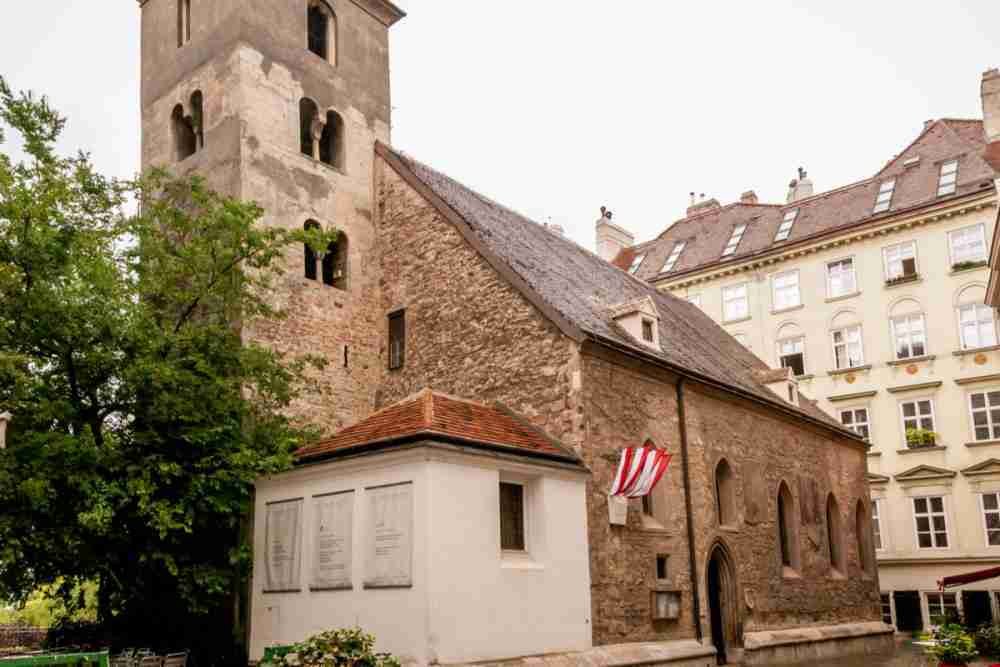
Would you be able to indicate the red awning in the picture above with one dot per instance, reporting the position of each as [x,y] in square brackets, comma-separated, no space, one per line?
[969,577]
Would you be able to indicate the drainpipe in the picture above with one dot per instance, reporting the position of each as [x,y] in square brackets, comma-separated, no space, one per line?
[692,560]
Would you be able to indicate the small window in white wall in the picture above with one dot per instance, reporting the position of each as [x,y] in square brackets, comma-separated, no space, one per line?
[791,354]
[512,517]
[909,336]
[918,423]
[848,351]
[857,420]
[877,524]
[840,278]
[735,302]
[967,246]
[984,407]
[942,607]
[785,290]
[900,260]
[977,326]
[990,503]
[930,522]
[884,199]
[948,178]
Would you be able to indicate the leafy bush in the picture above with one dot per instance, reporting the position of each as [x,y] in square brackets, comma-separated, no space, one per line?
[334,647]
[919,437]
[988,640]
[954,645]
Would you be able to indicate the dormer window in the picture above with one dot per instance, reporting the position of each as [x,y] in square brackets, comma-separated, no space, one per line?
[183,22]
[734,240]
[884,199]
[948,178]
[636,263]
[786,225]
[674,256]
[647,330]
[640,320]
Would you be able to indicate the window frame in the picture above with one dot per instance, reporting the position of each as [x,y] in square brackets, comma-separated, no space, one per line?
[397,362]
[788,221]
[746,297]
[982,239]
[854,419]
[926,603]
[636,264]
[847,344]
[987,409]
[525,534]
[673,257]
[877,525]
[885,260]
[978,323]
[894,335]
[735,238]
[774,290]
[694,299]
[883,206]
[801,339]
[854,272]
[892,607]
[951,187]
[983,511]
[931,514]
[917,416]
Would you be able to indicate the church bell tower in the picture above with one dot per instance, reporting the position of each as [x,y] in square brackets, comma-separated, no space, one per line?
[281,102]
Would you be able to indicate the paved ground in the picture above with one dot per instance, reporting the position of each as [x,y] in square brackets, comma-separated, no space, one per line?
[905,656]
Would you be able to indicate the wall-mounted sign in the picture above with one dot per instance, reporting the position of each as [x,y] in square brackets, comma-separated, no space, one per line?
[333,521]
[389,536]
[618,510]
[282,537]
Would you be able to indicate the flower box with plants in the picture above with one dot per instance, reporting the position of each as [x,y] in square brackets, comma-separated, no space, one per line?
[918,438]
[964,266]
[904,278]
[333,648]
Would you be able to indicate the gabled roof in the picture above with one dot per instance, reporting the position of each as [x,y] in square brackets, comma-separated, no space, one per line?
[987,467]
[875,478]
[433,415]
[923,472]
[707,232]
[577,290]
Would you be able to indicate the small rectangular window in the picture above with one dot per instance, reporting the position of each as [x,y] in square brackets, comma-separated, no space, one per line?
[647,505]
[884,199]
[674,256]
[968,246]
[397,339]
[840,278]
[647,330]
[918,423]
[848,351]
[909,335]
[791,354]
[931,525]
[636,263]
[856,419]
[511,517]
[785,290]
[785,228]
[661,566]
[735,302]
[977,325]
[991,517]
[885,600]
[734,240]
[900,260]
[948,178]
[985,409]
[877,524]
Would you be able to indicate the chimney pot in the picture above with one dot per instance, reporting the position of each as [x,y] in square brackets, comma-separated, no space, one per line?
[748,197]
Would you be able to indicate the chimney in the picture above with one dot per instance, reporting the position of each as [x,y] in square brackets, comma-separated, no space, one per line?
[800,188]
[555,229]
[611,238]
[748,197]
[991,104]
[700,205]
[4,418]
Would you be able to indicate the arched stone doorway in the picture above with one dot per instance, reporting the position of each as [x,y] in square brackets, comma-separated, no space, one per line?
[723,605]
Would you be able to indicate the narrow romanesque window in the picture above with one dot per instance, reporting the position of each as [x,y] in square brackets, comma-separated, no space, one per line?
[198,119]
[183,22]
[862,530]
[322,29]
[647,505]
[331,142]
[511,517]
[834,534]
[661,566]
[335,263]
[185,141]
[787,534]
[310,254]
[397,339]
[309,130]
[725,502]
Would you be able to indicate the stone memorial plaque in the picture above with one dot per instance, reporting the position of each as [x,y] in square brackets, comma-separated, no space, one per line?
[333,522]
[282,538]
[389,536]
[618,510]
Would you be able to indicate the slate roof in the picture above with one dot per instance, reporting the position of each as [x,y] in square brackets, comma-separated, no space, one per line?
[433,415]
[707,233]
[578,290]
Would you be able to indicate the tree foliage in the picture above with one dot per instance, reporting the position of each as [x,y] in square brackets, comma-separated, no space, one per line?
[140,416]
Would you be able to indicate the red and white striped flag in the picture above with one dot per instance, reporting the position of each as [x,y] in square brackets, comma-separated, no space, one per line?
[639,470]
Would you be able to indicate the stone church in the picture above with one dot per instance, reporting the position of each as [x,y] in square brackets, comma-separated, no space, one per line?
[485,376]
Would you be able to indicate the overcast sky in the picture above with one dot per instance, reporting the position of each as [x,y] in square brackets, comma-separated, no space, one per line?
[556,107]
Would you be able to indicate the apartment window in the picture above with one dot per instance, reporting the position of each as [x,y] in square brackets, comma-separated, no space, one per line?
[948,178]
[734,240]
[909,335]
[918,422]
[985,408]
[735,302]
[840,278]
[942,607]
[884,198]
[848,351]
[322,31]
[977,325]
[647,331]
[857,420]
[885,600]
[636,263]
[397,339]
[785,228]
[900,260]
[877,524]
[932,528]
[791,354]
[511,517]
[967,245]
[785,290]
[991,517]
[674,256]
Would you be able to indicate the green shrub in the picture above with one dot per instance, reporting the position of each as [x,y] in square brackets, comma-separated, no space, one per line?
[333,648]
[954,645]
[988,640]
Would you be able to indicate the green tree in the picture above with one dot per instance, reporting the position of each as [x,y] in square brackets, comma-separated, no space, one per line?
[140,416]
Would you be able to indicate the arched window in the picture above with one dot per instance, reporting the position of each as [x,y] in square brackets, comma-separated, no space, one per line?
[183,22]
[322,31]
[787,529]
[331,143]
[834,534]
[725,501]
[185,142]
[908,329]
[977,325]
[335,263]
[310,255]
[863,532]
[198,119]
[309,130]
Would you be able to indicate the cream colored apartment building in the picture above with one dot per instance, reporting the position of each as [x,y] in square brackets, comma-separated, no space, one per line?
[874,294]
